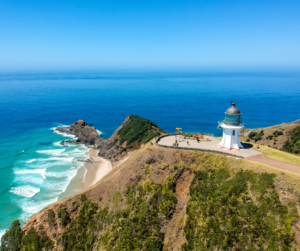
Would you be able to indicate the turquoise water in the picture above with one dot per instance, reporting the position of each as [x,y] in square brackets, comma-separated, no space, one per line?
[35,170]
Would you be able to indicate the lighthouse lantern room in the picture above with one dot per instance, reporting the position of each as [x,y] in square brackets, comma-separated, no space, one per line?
[232,125]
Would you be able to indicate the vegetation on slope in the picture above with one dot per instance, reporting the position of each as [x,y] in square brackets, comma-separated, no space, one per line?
[136,227]
[138,130]
[228,209]
[239,211]
[293,145]
[15,240]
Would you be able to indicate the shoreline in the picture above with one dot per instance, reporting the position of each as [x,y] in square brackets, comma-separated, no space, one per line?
[93,170]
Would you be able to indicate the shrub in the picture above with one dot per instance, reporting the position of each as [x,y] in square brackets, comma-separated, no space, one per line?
[147,169]
[64,216]
[115,141]
[247,140]
[83,197]
[123,149]
[252,135]
[12,238]
[293,144]
[277,133]
[32,241]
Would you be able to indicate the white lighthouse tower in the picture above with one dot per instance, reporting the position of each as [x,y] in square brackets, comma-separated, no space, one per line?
[232,126]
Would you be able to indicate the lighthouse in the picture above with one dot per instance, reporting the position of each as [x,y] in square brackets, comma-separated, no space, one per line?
[231,125]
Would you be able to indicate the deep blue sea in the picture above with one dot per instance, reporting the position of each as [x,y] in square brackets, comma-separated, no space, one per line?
[35,170]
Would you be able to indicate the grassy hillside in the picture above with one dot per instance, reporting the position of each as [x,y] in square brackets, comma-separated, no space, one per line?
[292,145]
[273,136]
[166,199]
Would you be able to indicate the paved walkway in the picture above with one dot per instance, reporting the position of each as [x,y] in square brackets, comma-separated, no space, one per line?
[248,153]
[211,145]
[282,165]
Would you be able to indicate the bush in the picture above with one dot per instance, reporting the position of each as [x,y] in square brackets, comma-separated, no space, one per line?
[12,238]
[115,141]
[51,214]
[32,241]
[247,140]
[123,149]
[293,144]
[252,135]
[64,216]
[83,197]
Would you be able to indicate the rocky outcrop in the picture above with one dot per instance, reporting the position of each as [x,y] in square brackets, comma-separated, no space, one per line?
[85,134]
[109,147]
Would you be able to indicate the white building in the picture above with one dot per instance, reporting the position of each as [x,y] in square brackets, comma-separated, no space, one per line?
[232,126]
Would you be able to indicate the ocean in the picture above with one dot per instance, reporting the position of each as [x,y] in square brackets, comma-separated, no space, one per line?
[35,169]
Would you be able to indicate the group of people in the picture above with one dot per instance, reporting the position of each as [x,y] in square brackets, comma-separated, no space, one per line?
[187,142]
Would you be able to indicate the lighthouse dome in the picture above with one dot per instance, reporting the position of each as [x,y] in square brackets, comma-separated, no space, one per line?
[233,110]
[233,116]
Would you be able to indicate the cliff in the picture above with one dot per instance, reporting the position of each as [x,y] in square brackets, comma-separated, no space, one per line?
[131,135]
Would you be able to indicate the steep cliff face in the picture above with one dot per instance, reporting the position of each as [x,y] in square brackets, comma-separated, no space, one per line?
[134,132]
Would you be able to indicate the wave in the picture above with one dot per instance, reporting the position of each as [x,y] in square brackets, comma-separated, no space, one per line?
[61,159]
[42,172]
[63,134]
[51,152]
[30,161]
[57,143]
[2,232]
[25,191]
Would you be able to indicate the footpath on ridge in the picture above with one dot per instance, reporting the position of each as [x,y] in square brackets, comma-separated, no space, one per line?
[282,165]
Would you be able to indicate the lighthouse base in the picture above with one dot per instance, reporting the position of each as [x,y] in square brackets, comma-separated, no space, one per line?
[231,137]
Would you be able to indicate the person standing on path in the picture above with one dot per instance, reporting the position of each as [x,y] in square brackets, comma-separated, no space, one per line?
[197,138]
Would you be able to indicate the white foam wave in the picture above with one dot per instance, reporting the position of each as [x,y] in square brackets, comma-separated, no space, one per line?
[61,159]
[57,143]
[28,171]
[64,134]
[2,232]
[25,191]
[99,132]
[30,161]
[51,152]
[33,207]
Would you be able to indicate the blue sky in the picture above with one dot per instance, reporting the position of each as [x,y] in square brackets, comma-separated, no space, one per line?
[142,34]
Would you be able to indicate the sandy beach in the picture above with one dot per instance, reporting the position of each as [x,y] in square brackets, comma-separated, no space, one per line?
[97,168]
[88,175]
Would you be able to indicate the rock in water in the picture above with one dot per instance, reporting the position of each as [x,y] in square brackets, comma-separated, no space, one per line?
[86,134]
[64,129]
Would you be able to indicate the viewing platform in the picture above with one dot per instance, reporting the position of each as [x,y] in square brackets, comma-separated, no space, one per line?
[211,145]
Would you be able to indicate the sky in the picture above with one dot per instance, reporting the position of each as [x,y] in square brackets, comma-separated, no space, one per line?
[149,34]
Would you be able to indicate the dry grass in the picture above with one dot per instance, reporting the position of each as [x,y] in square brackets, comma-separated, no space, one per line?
[279,155]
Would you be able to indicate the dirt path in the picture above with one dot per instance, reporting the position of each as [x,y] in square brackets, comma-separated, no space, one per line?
[282,165]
